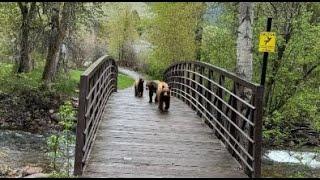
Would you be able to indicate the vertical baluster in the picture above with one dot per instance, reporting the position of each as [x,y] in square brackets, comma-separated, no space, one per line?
[193,85]
[199,90]
[189,83]
[184,74]
[81,124]
[178,80]
[181,79]
[175,79]
[232,129]
[209,96]
[115,77]
[219,104]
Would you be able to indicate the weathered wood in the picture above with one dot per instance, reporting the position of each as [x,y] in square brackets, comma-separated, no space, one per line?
[257,132]
[239,130]
[96,85]
[80,126]
[136,140]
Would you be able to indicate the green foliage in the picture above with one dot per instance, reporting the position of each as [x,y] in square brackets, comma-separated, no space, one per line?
[68,83]
[65,84]
[67,114]
[172,32]
[60,144]
[122,32]
[292,87]
[15,83]
[9,23]
[219,39]
[217,53]
[53,143]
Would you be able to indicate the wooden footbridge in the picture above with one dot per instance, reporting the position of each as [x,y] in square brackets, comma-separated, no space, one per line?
[213,127]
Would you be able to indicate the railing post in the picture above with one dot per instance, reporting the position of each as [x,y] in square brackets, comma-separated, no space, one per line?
[199,90]
[176,79]
[184,66]
[220,94]
[189,83]
[180,73]
[115,76]
[80,139]
[209,95]
[257,136]
[194,94]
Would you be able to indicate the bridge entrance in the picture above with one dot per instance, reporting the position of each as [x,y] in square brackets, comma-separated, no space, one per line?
[211,129]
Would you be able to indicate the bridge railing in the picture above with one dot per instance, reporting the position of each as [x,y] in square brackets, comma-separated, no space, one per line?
[230,105]
[96,85]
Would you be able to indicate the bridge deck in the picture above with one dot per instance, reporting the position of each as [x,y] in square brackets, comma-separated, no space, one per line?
[135,140]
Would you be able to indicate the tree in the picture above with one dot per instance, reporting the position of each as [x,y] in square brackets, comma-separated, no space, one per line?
[223,28]
[244,63]
[122,34]
[59,27]
[28,11]
[244,41]
[199,30]
[172,33]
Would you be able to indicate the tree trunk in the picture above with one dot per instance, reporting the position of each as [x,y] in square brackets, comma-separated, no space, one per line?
[58,32]
[199,31]
[27,16]
[244,67]
[244,41]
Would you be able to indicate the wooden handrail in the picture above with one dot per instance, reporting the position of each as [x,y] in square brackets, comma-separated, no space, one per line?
[97,84]
[230,105]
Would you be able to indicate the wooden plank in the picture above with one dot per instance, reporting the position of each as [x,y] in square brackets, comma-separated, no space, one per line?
[168,170]
[136,140]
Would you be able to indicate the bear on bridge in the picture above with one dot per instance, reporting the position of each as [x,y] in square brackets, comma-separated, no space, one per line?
[163,95]
[162,90]
[152,86]
[138,87]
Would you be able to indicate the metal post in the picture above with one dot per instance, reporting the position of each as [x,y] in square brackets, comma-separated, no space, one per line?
[265,57]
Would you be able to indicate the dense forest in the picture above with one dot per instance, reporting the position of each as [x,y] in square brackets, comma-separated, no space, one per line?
[45,46]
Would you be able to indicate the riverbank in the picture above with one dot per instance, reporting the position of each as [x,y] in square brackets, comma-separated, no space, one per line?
[303,162]
[27,119]
[23,153]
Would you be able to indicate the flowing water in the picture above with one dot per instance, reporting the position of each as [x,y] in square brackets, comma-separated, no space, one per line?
[288,163]
[19,149]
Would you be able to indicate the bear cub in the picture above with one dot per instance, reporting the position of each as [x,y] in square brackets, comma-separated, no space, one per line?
[138,87]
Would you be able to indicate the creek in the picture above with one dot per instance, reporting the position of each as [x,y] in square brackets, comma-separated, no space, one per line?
[19,149]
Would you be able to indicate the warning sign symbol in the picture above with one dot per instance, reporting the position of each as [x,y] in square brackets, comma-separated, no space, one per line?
[267,42]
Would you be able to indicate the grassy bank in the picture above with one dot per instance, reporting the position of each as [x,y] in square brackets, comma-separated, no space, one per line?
[65,84]
[25,105]
[124,81]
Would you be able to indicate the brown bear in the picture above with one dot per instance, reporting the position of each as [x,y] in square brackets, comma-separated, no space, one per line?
[163,95]
[152,86]
[138,87]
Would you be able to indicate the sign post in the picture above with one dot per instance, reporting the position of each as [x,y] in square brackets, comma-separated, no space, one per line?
[267,43]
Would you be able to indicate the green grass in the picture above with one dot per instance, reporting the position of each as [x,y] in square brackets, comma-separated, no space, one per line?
[75,74]
[10,82]
[64,84]
[124,81]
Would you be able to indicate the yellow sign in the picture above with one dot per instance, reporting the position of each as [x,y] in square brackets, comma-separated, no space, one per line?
[267,42]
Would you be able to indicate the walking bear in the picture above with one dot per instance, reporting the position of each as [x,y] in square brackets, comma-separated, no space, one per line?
[152,86]
[138,87]
[163,95]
